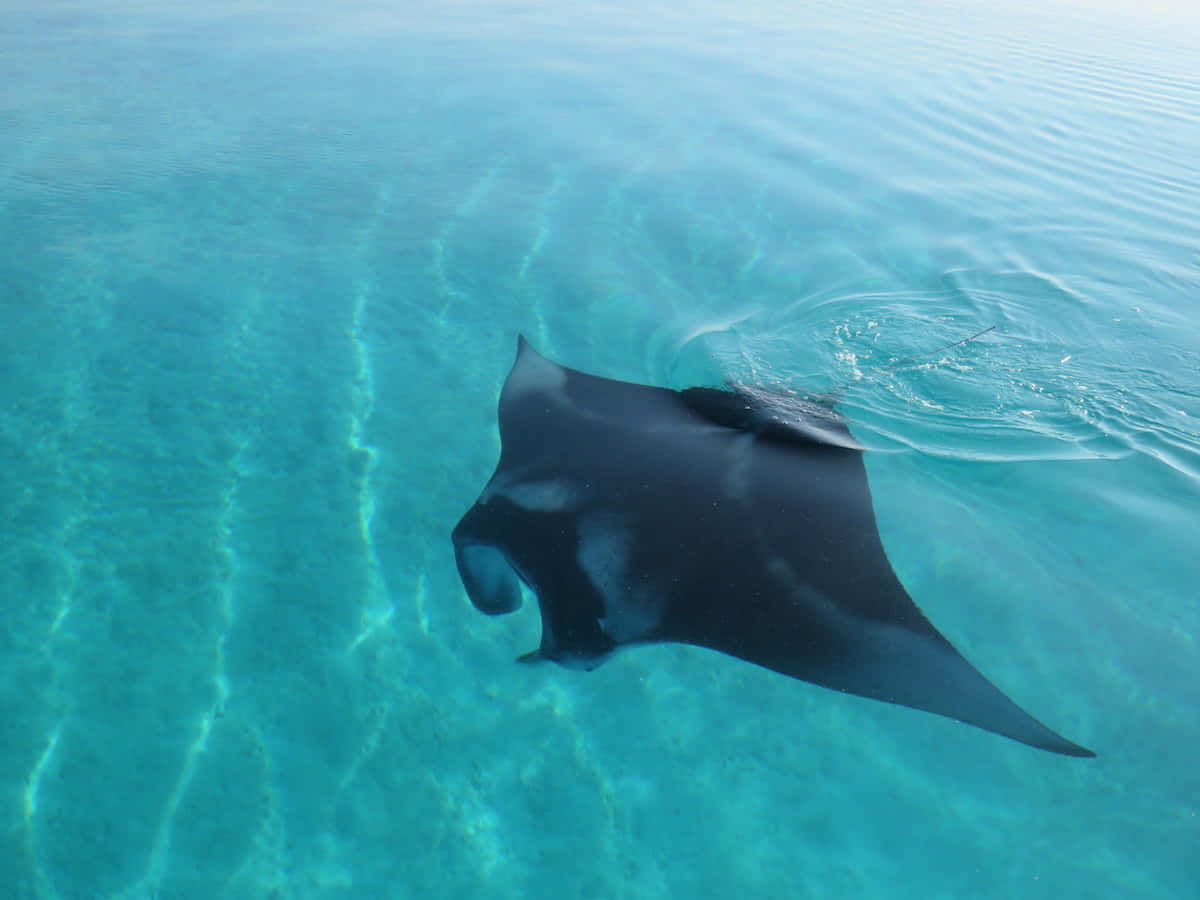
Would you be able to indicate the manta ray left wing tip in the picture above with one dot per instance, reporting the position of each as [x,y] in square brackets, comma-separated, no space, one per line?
[524,346]
[1081,752]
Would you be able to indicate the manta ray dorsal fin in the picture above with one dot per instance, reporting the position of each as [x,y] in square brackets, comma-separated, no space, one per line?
[772,414]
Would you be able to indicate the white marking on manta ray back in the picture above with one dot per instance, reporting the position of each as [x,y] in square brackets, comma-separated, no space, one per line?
[604,548]
[547,495]
[554,495]
[737,476]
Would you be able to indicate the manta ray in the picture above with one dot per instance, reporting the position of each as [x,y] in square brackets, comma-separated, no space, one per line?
[738,519]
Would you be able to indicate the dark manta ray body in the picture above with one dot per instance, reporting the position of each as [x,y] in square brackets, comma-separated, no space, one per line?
[738,520]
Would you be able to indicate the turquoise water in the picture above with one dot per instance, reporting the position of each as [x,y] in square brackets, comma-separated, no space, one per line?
[262,274]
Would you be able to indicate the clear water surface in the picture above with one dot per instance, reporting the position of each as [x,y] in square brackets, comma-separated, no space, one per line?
[262,267]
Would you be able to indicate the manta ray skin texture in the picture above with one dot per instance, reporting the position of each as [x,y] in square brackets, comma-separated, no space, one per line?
[739,520]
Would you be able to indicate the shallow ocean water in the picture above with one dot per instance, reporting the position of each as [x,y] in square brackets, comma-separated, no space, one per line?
[263,269]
